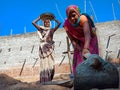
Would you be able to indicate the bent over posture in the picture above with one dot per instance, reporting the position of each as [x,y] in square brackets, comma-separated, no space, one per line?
[81,34]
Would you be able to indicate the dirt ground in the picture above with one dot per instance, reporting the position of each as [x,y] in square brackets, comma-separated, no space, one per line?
[62,82]
[9,83]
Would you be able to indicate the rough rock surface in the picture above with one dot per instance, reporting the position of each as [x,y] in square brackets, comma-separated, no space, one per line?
[96,73]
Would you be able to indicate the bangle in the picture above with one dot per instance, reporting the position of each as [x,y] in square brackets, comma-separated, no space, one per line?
[86,48]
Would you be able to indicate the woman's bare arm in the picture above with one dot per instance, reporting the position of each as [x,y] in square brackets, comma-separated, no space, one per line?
[37,26]
[87,35]
[57,26]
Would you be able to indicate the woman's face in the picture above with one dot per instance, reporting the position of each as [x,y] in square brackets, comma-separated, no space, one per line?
[47,23]
[73,17]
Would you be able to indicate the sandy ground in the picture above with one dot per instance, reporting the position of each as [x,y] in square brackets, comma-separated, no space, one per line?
[62,82]
[9,83]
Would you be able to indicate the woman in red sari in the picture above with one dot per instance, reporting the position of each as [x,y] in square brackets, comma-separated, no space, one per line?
[81,34]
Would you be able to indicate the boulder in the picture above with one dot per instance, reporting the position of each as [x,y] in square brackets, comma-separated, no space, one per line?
[95,72]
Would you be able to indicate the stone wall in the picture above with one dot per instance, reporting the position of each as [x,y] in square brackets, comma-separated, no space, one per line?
[16,49]
[104,31]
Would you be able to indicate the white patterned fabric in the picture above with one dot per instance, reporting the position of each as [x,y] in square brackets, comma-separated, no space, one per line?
[46,53]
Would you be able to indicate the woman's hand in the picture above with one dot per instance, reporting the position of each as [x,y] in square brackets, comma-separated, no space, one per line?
[84,51]
[36,25]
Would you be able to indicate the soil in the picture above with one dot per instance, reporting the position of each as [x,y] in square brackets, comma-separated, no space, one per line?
[9,83]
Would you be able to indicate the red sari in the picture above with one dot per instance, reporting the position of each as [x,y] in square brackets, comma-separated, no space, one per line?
[77,34]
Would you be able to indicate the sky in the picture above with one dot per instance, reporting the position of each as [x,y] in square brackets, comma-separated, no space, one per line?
[16,16]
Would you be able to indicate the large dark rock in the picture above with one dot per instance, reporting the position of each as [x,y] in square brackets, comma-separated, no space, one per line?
[95,72]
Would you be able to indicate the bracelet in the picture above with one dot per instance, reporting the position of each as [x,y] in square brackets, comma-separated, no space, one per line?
[86,48]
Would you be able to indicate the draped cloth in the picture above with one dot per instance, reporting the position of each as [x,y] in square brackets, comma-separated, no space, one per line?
[46,54]
[77,33]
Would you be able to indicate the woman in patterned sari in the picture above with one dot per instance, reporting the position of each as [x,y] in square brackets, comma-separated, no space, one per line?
[46,48]
[81,34]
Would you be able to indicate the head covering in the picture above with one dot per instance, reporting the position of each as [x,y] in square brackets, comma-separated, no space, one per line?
[76,9]
[72,8]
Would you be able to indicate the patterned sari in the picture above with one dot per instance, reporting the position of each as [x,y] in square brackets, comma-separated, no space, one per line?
[46,53]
